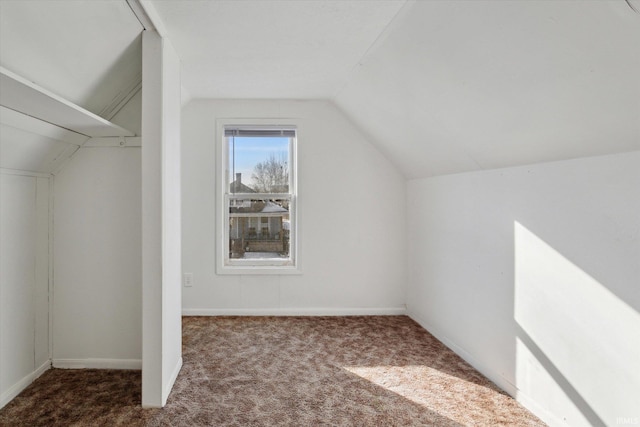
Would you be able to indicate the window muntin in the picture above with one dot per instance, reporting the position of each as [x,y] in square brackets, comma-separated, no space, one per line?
[259,197]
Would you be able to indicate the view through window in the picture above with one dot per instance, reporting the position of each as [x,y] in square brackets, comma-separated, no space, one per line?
[259,195]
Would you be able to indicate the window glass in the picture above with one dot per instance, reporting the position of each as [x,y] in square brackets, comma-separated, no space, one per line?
[258,164]
[259,197]
[259,228]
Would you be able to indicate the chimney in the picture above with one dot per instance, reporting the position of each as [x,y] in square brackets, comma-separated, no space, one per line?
[238,178]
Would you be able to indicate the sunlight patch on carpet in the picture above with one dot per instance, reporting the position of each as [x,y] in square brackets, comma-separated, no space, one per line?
[425,386]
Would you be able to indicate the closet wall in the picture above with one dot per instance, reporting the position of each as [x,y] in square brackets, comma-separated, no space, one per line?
[24,280]
[98,256]
[70,256]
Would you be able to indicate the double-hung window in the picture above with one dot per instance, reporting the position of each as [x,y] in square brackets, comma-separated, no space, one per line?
[258,219]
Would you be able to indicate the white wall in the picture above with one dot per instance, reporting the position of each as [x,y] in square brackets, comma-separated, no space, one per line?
[129,116]
[24,281]
[351,210]
[98,307]
[171,220]
[532,274]
[97,259]
[161,232]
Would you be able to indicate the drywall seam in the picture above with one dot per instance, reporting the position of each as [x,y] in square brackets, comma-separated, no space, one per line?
[51,262]
[7,171]
[404,9]
[111,110]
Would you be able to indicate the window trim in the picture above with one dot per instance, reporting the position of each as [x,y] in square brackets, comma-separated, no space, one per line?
[254,266]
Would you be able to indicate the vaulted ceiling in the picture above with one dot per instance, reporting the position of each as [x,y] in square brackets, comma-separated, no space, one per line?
[272,49]
[439,86]
[67,69]
[457,86]
[85,51]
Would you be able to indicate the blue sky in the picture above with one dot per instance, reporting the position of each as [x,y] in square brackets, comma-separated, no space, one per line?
[249,151]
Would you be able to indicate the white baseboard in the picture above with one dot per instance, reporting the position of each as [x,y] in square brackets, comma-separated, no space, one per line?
[540,412]
[497,379]
[42,369]
[98,364]
[172,380]
[15,389]
[382,311]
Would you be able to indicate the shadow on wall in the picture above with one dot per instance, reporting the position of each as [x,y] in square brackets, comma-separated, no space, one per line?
[576,341]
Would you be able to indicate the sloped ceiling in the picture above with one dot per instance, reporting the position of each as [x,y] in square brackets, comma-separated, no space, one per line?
[274,48]
[460,86]
[440,86]
[87,53]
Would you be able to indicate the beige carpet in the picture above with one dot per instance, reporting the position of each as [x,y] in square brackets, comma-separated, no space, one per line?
[284,371]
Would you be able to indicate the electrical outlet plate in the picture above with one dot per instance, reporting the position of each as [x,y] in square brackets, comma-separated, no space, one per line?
[187,280]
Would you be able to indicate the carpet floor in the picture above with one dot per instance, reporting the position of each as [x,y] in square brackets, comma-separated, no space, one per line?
[284,371]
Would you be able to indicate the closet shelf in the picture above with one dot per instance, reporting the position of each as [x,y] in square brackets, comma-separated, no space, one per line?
[19,94]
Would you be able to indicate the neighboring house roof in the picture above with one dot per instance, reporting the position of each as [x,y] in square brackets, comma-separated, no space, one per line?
[265,207]
[260,208]
[239,187]
[280,188]
[271,207]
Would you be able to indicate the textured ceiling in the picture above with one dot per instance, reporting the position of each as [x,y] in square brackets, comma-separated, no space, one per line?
[439,86]
[271,49]
[85,51]
[460,86]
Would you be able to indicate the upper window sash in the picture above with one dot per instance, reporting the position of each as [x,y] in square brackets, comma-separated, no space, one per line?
[244,132]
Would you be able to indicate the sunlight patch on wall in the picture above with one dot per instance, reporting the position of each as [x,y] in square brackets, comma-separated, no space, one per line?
[576,339]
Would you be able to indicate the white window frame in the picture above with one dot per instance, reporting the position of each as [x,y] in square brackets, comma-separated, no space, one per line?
[225,264]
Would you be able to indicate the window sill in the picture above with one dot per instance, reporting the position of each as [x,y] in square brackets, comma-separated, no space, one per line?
[258,270]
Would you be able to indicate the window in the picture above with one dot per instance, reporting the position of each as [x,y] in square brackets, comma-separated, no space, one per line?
[258,225]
